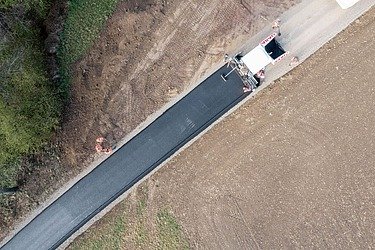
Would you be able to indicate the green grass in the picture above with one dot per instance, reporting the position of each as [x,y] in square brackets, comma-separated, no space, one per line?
[170,232]
[83,24]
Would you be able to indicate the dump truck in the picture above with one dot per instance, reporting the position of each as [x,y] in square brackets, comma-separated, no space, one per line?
[250,65]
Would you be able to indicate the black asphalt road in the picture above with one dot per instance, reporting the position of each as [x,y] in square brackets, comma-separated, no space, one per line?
[175,127]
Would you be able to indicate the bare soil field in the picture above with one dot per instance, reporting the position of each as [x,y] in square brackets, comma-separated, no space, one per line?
[291,168]
[148,53]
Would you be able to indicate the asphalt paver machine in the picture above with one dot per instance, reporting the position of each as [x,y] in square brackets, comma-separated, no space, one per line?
[251,66]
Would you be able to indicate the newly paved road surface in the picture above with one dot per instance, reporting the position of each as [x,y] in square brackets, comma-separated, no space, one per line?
[131,162]
[304,29]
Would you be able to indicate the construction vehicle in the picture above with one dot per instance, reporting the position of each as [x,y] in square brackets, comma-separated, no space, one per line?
[251,65]
[344,4]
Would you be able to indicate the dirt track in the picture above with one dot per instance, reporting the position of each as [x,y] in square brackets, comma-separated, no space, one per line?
[291,168]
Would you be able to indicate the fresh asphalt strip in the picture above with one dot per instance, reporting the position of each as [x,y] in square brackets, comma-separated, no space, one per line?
[130,163]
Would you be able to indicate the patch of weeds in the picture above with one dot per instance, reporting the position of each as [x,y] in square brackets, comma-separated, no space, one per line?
[118,231]
[170,232]
[115,229]
[8,177]
[141,206]
[142,235]
[95,245]
[109,237]
[142,200]
[6,211]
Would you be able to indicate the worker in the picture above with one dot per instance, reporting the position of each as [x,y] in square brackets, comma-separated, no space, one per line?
[247,88]
[100,148]
[107,151]
[276,25]
[260,74]
[100,139]
[294,61]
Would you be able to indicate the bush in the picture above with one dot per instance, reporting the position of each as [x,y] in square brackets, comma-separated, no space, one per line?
[29,106]
[40,7]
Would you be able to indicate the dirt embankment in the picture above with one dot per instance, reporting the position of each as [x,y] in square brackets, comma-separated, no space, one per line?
[148,52]
[146,56]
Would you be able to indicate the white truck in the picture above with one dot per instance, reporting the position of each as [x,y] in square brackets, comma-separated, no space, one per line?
[250,66]
[346,3]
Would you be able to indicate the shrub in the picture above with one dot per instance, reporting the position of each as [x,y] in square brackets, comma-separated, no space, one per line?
[29,106]
[40,7]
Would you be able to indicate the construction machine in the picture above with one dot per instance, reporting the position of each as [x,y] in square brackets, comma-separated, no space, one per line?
[251,65]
